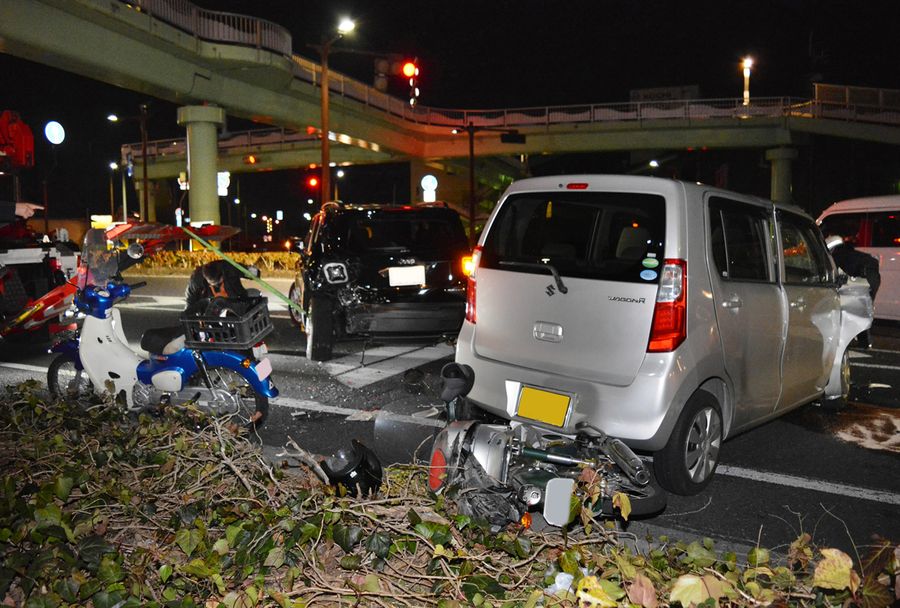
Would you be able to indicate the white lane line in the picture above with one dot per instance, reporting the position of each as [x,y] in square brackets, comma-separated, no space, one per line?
[24,367]
[383,362]
[138,301]
[811,484]
[354,415]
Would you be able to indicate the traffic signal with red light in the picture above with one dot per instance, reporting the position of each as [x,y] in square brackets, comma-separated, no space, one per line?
[312,181]
[410,70]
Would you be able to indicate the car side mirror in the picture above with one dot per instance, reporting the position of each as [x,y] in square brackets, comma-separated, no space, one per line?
[254,271]
[842,279]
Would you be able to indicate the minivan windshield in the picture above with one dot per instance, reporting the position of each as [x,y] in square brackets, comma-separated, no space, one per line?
[598,235]
[413,232]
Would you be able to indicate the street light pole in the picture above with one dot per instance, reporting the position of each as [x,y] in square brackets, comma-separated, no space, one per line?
[747,63]
[112,196]
[145,183]
[325,190]
[345,26]
[470,129]
[507,136]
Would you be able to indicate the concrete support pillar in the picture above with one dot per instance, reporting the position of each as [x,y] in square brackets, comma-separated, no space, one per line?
[781,173]
[202,149]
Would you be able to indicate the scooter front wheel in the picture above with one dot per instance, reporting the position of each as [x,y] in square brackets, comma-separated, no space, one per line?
[231,396]
[65,380]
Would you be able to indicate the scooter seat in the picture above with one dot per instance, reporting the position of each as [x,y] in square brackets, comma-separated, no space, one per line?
[163,340]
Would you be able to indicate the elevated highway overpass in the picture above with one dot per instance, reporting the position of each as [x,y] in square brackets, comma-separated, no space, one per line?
[173,50]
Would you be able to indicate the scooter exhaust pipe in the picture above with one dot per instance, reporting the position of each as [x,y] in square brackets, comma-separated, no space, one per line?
[626,460]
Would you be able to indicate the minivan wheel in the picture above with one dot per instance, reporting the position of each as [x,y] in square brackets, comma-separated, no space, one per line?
[686,464]
[296,314]
[839,402]
[319,329]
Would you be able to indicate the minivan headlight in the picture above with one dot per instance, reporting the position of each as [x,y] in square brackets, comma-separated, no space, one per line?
[335,272]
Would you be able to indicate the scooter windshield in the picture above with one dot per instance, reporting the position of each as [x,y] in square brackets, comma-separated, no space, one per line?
[99,263]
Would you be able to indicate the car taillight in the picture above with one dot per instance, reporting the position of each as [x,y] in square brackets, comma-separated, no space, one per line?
[470,287]
[669,327]
[437,470]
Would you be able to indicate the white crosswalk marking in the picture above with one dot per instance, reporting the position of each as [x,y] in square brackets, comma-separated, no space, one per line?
[383,362]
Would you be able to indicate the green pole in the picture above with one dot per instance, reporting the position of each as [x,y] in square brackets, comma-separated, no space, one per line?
[243,270]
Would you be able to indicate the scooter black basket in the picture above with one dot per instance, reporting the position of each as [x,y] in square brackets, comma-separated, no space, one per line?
[227,324]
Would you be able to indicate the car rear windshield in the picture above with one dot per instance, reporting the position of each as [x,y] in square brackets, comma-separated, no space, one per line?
[401,231]
[595,235]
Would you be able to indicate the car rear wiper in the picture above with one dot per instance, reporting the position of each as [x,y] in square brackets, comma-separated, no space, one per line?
[559,284]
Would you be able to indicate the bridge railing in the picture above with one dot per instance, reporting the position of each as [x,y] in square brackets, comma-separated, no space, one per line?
[218,26]
[690,110]
[831,101]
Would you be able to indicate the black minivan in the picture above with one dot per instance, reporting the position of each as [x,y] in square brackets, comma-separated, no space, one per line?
[380,271]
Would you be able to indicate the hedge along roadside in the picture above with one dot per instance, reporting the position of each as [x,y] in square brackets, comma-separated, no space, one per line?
[247,274]
[272,263]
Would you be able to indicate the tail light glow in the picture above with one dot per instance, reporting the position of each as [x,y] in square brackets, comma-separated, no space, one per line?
[470,287]
[468,265]
[669,328]
[577,186]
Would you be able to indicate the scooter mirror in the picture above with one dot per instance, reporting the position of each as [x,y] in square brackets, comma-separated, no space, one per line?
[135,251]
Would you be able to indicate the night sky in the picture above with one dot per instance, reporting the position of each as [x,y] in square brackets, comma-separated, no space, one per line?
[501,54]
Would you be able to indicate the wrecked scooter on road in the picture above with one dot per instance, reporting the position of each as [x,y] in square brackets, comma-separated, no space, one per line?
[513,472]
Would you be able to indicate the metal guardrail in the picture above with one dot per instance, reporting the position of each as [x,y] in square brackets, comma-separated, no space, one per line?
[218,26]
[857,104]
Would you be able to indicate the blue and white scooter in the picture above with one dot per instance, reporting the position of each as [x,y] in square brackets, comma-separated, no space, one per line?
[236,383]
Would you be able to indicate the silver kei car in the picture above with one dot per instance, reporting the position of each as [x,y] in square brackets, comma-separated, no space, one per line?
[671,315]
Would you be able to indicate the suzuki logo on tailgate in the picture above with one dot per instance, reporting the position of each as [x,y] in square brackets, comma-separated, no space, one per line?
[628,300]
[548,332]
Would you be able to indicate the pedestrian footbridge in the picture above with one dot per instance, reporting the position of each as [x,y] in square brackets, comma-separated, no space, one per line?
[246,67]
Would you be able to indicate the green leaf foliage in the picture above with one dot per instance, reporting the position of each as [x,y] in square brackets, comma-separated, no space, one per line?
[102,509]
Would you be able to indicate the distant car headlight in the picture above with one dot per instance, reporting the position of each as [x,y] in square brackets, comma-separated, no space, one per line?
[335,272]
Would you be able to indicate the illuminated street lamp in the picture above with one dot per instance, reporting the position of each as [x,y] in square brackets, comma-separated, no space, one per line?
[345,26]
[55,134]
[113,167]
[746,64]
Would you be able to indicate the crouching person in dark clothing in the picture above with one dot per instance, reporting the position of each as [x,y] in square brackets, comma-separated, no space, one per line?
[856,264]
[214,279]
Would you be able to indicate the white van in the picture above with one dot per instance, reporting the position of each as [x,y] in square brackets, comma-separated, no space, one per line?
[872,224]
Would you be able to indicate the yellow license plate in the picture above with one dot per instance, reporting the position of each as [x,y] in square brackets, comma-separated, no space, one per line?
[543,406]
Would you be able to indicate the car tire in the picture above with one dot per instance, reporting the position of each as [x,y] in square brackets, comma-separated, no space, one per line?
[319,329]
[296,315]
[839,402]
[688,461]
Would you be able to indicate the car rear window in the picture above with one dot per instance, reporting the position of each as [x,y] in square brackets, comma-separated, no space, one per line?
[597,235]
[388,231]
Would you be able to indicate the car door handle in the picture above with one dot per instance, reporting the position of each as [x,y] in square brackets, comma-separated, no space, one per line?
[733,302]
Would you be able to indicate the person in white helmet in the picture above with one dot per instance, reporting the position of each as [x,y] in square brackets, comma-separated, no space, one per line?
[856,264]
